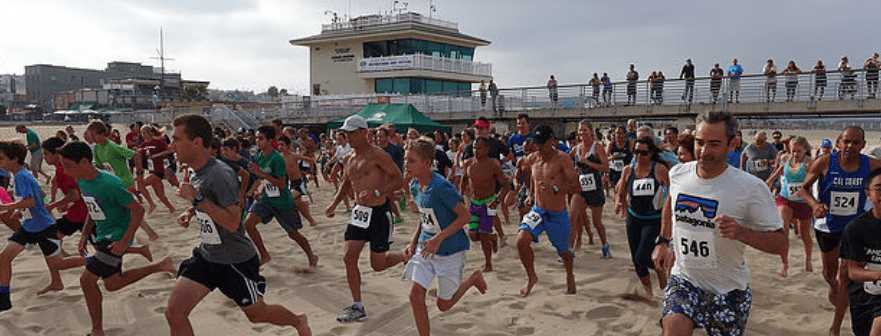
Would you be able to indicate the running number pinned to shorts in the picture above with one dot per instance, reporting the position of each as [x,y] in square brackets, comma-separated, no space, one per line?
[361,216]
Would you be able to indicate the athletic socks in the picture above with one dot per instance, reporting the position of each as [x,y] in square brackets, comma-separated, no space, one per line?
[358,304]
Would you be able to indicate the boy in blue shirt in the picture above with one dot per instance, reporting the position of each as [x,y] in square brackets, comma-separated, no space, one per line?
[37,226]
[438,247]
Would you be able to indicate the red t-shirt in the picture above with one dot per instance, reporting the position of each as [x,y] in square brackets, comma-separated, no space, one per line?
[77,212]
[131,137]
[154,147]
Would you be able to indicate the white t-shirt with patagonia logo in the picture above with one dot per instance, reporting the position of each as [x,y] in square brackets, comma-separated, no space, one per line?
[703,256]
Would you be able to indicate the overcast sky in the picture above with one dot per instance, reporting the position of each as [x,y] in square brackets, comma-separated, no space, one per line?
[244,44]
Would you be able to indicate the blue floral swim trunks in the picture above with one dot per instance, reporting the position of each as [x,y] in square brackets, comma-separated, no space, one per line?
[719,314]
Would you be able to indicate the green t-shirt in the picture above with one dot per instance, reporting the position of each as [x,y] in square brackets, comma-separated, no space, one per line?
[106,198]
[116,156]
[33,138]
[274,165]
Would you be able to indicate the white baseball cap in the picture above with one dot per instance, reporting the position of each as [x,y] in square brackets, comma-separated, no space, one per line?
[353,123]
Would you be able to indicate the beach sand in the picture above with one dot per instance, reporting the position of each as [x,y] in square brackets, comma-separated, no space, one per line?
[795,305]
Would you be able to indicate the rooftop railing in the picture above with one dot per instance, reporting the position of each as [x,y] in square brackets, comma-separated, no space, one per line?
[424,62]
[376,20]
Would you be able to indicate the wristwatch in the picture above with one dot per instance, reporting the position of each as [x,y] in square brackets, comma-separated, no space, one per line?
[556,189]
[662,240]
[198,198]
[376,192]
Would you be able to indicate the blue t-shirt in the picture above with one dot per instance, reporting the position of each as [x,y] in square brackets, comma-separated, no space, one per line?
[735,70]
[515,143]
[734,158]
[441,197]
[35,218]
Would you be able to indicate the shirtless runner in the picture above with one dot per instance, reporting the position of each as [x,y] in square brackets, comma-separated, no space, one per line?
[481,174]
[371,175]
[553,177]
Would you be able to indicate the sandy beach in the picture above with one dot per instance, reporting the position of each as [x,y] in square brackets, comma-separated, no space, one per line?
[796,305]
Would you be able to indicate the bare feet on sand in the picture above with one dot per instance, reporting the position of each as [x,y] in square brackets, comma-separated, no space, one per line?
[151,208]
[264,259]
[503,240]
[479,282]
[51,288]
[784,270]
[145,251]
[524,292]
[302,325]
[166,265]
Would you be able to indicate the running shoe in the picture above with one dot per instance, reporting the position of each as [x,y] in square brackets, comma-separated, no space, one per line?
[353,314]
[607,253]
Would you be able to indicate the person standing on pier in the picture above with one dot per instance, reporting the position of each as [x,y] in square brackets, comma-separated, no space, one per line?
[688,74]
[632,77]
[734,73]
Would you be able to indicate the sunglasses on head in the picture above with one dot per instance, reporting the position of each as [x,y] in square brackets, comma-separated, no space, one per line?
[641,152]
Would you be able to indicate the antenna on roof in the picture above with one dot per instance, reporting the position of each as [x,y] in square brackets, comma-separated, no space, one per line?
[162,59]
[335,17]
[431,8]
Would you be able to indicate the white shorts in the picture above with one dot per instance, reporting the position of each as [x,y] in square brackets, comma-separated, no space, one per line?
[448,269]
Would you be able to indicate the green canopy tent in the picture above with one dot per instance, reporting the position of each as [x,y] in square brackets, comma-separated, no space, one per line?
[402,115]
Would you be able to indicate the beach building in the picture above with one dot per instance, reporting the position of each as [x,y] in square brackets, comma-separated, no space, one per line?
[131,81]
[405,53]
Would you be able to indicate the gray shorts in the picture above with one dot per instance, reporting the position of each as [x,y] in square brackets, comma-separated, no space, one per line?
[36,161]
[289,219]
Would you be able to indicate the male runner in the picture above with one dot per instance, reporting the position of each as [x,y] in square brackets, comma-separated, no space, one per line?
[225,258]
[115,215]
[371,175]
[480,176]
[298,182]
[841,179]
[553,177]
[712,213]
[438,247]
[275,201]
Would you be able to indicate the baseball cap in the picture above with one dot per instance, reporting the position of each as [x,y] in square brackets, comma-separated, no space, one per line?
[353,123]
[826,143]
[542,134]
[481,123]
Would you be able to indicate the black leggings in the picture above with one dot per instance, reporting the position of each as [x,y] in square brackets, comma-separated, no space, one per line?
[641,235]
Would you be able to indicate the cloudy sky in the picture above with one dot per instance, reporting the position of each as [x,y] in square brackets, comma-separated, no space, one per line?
[243,44]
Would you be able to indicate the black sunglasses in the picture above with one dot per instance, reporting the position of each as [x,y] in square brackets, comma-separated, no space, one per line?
[641,152]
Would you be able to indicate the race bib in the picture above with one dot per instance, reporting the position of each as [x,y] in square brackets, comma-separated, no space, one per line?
[761,165]
[306,164]
[508,169]
[26,214]
[697,248]
[491,212]
[872,287]
[165,164]
[271,189]
[843,203]
[94,210]
[792,188]
[207,229]
[532,219]
[588,183]
[361,216]
[150,166]
[644,187]
[428,220]
[616,165]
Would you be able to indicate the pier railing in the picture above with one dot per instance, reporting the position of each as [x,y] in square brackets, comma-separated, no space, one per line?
[802,91]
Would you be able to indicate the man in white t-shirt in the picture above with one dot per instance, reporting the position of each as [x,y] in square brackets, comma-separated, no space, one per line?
[713,211]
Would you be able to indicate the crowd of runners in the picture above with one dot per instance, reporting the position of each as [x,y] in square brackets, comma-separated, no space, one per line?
[691,200]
